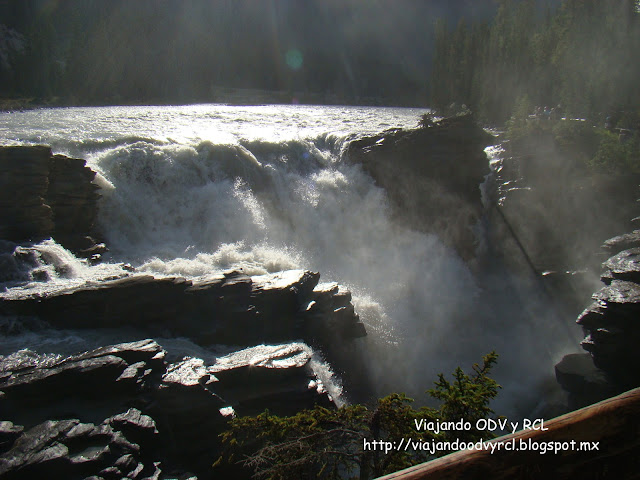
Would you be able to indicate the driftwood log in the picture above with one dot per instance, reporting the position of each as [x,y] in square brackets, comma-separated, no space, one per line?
[608,433]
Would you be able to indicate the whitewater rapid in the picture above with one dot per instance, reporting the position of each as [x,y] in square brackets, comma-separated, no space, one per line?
[192,190]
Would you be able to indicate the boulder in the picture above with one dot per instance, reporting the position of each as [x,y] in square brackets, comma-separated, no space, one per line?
[15,262]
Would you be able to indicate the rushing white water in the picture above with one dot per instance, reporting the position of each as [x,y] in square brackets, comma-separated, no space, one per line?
[195,189]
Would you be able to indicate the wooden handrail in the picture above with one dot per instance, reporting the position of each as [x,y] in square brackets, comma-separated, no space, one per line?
[610,429]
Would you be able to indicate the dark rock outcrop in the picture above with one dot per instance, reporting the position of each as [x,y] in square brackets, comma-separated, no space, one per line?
[264,376]
[70,449]
[549,199]
[15,262]
[230,308]
[62,417]
[44,195]
[330,314]
[625,265]
[73,199]
[612,332]
[24,181]
[586,383]
[9,432]
[431,175]
[622,242]
[110,378]
[173,412]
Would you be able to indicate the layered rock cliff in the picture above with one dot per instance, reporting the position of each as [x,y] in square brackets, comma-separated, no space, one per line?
[133,410]
[44,195]
[431,175]
[82,415]
[612,333]
[559,214]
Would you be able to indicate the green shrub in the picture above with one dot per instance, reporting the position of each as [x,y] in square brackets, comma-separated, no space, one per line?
[520,125]
[615,155]
[328,444]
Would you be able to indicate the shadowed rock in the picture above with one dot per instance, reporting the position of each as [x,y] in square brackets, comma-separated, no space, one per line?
[67,449]
[622,242]
[612,331]
[585,382]
[175,411]
[268,376]
[44,195]
[431,175]
[110,378]
[230,308]
[623,266]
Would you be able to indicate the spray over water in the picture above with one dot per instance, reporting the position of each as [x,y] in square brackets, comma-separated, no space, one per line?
[195,191]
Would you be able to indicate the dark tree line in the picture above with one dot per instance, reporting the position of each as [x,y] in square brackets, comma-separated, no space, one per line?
[111,51]
[583,55]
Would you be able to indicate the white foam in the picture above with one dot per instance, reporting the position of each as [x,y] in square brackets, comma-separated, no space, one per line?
[197,190]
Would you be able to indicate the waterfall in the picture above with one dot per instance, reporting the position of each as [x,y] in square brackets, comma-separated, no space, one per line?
[194,190]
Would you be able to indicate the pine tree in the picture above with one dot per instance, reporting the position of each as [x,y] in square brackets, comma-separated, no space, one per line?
[324,443]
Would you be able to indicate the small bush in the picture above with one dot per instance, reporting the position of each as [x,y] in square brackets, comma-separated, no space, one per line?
[329,444]
[616,155]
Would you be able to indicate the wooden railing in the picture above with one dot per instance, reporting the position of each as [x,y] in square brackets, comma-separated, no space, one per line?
[606,444]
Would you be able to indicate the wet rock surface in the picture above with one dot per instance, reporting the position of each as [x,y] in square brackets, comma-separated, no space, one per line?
[622,242]
[612,331]
[109,377]
[611,328]
[70,449]
[265,376]
[123,411]
[131,410]
[127,410]
[625,265]
[230,308]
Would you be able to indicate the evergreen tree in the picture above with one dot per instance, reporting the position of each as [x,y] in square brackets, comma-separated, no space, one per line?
[323,443]
[584,56]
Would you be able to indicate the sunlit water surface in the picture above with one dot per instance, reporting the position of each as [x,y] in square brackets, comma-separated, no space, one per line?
[192,190]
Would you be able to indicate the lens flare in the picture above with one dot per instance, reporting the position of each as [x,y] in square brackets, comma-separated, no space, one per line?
[294,59]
